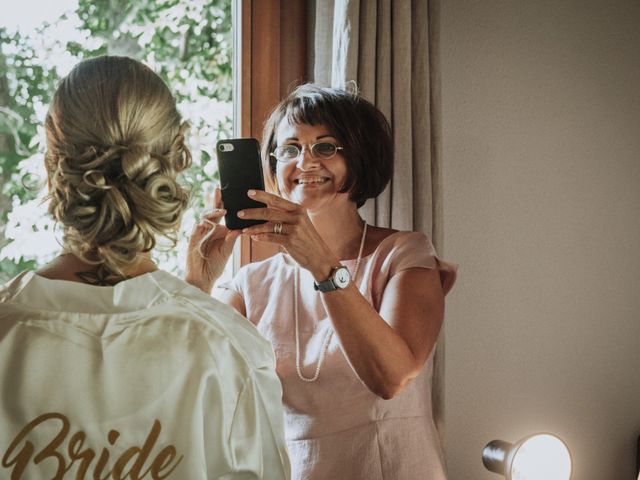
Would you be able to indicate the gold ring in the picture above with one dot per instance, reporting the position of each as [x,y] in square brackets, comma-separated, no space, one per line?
[277,228]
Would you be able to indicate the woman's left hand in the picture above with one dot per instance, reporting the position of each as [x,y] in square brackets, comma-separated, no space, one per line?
[296,233]
[210,247]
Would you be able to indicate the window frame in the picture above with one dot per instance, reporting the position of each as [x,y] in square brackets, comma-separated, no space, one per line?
[270,60]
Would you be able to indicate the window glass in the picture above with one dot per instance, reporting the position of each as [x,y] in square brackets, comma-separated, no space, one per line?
[187,42]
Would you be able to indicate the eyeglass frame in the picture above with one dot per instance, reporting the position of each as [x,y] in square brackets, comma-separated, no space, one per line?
[309,148]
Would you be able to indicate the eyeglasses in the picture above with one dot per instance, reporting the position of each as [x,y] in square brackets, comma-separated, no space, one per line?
[320,150]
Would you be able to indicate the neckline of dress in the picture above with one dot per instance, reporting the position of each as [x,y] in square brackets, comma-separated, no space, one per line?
[351,260]
[287,257]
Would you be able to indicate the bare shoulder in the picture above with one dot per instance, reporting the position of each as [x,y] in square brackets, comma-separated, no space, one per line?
[375,236]
[58,270]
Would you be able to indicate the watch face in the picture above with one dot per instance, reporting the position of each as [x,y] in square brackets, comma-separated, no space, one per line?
[341,277]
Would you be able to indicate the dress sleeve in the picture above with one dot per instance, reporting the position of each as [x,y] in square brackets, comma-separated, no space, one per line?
[237,283]
[256,438]
[415,250]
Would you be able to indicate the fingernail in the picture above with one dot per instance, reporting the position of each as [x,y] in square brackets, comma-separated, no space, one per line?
[251,193]
[245,230]
[241,213]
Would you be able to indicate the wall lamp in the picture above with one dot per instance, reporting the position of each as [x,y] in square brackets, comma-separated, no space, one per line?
[537,457]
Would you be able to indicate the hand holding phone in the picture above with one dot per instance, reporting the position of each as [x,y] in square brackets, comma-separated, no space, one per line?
[240,171]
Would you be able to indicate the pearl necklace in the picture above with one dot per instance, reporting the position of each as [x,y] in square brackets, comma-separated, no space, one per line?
[327,339]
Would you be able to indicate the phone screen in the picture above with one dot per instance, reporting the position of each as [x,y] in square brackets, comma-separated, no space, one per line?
[240,171]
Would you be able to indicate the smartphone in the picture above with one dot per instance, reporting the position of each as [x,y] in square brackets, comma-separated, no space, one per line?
[240,171]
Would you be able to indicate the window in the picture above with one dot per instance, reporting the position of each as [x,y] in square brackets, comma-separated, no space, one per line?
[190,43]
[187,42]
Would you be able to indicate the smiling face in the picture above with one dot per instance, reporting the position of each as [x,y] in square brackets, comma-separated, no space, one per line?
[312,182]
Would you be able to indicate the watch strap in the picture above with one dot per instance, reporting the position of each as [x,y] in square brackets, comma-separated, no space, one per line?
[327,285]
[330,284]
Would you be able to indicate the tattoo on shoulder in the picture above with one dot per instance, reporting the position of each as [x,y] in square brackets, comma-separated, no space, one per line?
[92,278]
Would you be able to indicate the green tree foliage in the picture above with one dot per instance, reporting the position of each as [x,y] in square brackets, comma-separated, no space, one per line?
[187,42]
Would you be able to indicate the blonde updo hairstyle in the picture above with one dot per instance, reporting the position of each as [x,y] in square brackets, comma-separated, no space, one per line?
[115,144]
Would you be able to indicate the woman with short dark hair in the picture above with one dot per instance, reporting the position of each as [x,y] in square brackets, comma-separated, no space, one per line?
[353,311]
[366,144]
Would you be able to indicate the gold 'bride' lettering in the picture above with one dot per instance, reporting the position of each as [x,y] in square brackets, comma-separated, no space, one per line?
[130,465]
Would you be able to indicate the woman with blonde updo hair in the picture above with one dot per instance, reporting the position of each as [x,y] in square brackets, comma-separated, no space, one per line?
[110,367]
[112,168]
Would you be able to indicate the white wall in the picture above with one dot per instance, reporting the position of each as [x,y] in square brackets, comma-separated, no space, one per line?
[541,150]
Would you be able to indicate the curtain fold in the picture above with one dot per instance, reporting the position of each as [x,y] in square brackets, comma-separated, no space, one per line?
[388,49]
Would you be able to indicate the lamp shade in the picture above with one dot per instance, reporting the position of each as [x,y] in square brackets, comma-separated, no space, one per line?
[537,457]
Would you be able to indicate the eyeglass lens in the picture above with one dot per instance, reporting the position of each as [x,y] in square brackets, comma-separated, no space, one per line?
[318,150]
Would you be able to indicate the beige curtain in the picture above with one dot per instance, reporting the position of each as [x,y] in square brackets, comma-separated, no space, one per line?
[389,49]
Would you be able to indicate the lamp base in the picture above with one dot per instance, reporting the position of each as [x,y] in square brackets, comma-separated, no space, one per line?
[494,455]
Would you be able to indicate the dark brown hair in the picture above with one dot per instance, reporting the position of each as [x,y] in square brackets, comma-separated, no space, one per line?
[358,125]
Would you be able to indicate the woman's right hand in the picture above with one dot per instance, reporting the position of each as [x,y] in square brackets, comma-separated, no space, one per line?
[210,247]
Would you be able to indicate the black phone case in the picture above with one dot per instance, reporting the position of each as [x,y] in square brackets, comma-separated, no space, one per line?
[240,171]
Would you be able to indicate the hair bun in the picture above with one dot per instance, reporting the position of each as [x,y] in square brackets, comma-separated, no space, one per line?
[115,196]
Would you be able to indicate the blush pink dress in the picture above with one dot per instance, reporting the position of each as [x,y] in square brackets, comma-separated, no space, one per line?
[335,427]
